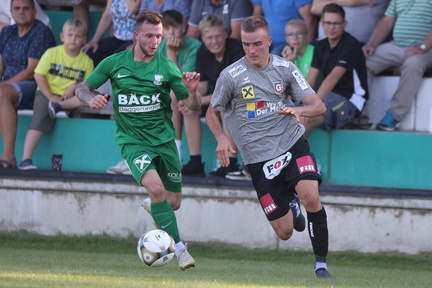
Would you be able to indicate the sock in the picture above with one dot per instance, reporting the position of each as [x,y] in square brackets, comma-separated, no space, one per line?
[318,233]
[178,143]
[196,159]
[319,265]
[164,217]
[178,247]
[233,163]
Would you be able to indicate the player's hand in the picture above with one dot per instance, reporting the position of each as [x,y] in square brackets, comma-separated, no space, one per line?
[191,80]
[223,150]
[99,101]
[289,111]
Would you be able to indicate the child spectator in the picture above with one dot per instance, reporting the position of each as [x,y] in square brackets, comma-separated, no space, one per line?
[57,75]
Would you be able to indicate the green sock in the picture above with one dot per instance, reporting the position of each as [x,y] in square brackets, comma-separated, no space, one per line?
[165,219]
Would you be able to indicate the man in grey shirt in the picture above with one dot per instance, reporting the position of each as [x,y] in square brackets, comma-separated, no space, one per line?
[254,94]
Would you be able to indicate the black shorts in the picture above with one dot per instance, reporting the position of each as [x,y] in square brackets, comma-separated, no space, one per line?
[275,180]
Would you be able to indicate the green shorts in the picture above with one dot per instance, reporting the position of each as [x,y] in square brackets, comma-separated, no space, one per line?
[163,158]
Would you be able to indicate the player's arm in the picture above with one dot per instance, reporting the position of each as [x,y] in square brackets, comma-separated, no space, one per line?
[312,107]
[26,74]
[191,81]
[93,100]
[214,123]
[330,81]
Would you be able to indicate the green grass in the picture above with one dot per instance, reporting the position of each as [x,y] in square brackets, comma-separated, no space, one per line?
[28,260]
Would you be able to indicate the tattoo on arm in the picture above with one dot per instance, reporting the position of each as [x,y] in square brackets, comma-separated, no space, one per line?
[84,92]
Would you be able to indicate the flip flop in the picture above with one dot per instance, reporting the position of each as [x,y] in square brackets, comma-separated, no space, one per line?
[4,164]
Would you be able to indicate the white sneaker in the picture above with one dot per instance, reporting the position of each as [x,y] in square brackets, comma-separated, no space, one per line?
[121,168]
[239,175]
[186,261]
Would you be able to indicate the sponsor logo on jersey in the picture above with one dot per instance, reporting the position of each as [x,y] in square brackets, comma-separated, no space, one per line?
[300,79]
[122,75]
[158,79]
[274,167]
[268,204]
[237,70]
[278,86]
[142,162]
[134,103]
[281,62]
[305,164]
[245,80]
[255,109]
[248,92]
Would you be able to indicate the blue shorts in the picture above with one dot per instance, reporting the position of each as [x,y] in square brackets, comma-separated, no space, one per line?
[26,94]
[275,180]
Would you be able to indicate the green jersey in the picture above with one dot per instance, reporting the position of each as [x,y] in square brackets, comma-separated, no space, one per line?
[141,96]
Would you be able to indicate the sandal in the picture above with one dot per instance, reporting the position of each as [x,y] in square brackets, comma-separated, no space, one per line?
[4,164]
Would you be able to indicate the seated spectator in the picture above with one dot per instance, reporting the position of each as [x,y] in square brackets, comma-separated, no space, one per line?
[216,53]
[21,46]
[410,48]
[296,49]
[81,10]
[6,17]
[121,15]
[181,50]
[361,15]
[233,12]
[279,12]
[57,75]
[340,59]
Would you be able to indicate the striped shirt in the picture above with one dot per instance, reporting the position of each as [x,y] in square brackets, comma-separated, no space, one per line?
[413,21]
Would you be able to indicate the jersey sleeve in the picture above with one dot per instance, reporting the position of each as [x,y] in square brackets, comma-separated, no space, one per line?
[101,74]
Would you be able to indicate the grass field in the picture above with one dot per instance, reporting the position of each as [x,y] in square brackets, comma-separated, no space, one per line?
[28,260]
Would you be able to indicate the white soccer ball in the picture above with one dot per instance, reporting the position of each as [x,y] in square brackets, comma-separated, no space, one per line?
[156,248]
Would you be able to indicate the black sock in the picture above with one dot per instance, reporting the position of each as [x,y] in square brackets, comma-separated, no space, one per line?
[195,159]
[318,233]
[233,163]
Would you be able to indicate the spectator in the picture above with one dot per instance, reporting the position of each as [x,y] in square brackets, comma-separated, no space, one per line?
[279,12]
[340,59]
[215,54]
[57,75]
[81,10]
[296,49]
[182,6]
[181,50]
[361,16]
[121,15]
[233,12]
[6,17]
[411,48]
[277,156]
[21,47]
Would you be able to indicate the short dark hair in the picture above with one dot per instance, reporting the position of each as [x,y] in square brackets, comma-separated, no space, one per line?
[148,16]
[253,23]
[31,2]
[172,18]
[333,8]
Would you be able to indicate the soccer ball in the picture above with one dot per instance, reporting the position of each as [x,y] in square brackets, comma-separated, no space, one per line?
[156,248]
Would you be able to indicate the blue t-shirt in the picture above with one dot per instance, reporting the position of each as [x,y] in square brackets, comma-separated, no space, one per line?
[278,13]
[182,6]
[16,50]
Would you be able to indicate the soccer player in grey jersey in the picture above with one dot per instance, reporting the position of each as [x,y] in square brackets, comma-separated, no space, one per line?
[256,96]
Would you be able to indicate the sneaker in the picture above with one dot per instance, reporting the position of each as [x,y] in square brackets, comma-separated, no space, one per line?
[27,164]
[223,171]
[193,169]
[388,123]
[362,122]
[53,109]
[238,175]
[299,219]
[323,273]
[147,205]
[121,168]
[186,261]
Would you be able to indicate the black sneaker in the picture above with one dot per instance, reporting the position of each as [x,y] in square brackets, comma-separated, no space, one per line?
[53,109]
[299,219]
[323,273]
[223,171]
[193,169]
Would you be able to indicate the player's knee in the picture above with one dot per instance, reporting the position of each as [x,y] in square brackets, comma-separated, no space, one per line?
[284,234]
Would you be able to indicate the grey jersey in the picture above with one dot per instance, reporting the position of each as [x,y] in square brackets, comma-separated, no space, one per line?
[249,96]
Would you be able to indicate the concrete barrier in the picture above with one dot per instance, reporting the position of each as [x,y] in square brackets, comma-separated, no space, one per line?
[217,213]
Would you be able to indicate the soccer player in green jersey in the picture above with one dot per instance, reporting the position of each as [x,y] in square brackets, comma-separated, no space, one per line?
[141,82]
